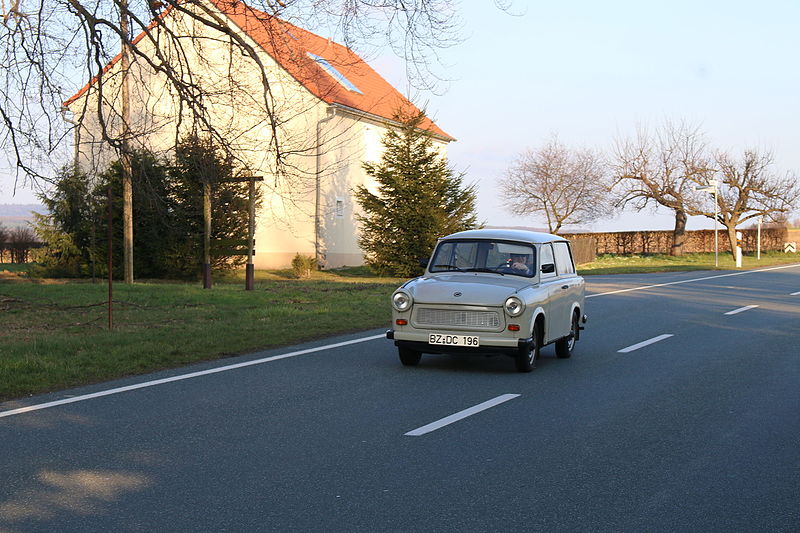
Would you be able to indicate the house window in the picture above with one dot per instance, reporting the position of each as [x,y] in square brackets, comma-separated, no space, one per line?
[339,207]
[335,74]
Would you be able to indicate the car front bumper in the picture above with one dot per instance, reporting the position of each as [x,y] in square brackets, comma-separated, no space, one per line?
[417,341]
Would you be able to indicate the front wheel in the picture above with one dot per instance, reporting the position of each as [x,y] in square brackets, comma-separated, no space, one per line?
[565,346]
[409,357]
[525,360]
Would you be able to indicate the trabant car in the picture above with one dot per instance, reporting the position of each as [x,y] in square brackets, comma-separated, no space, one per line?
[491,291]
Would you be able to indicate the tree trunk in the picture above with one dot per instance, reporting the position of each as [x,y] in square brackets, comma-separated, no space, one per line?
[679,233]
[732,239]
[125,159]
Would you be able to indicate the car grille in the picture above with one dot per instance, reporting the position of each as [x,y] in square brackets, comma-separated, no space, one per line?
[447,317]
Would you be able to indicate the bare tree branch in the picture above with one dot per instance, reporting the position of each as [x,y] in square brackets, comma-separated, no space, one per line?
[51,48]
[662,169]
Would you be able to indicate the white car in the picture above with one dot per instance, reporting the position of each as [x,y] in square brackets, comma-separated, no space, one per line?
[491,291]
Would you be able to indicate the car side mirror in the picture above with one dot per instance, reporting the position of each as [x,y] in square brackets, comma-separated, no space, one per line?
[424,262]
[548,268]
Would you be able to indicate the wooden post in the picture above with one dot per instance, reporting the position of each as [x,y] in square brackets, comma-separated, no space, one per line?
[207,235]
[110,264]
[127,172]
[249,281]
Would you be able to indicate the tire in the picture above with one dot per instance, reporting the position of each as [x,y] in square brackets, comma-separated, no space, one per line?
[525,361]
[409,357]
[566,345]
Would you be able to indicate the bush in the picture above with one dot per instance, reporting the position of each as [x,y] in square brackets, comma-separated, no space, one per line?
[302,265]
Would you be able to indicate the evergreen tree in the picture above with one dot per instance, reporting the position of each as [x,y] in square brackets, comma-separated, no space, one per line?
[198,161]
[419,200]
[67,229]
[167,214]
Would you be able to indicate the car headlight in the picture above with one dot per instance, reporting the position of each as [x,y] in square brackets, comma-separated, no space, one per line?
[514,306]
[401,301]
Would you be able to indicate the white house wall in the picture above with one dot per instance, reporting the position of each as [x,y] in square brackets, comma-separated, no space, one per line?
[286,221]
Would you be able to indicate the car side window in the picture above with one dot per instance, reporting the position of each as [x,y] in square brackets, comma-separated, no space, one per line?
[546,265]
[564,264]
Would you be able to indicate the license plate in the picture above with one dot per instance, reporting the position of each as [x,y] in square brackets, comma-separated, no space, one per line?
[454,340]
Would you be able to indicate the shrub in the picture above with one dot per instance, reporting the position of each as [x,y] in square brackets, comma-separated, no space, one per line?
[302,265]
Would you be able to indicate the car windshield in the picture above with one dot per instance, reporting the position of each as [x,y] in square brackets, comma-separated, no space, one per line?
[500,257]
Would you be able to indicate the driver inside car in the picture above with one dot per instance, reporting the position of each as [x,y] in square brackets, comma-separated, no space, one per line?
[519,263]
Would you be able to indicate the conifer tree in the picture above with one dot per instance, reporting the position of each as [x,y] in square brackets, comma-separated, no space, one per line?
[419,200]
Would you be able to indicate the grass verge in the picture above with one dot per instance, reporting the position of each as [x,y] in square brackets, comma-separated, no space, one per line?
[633,264]
[54,334]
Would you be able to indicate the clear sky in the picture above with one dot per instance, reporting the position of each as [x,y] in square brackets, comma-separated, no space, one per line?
[590,71]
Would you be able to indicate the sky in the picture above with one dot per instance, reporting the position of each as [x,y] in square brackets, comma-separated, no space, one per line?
[590,72]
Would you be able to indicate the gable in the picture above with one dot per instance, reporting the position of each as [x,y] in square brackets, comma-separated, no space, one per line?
[307,58]
[329,71]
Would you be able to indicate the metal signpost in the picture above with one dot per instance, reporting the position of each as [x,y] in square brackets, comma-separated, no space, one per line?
[712,188]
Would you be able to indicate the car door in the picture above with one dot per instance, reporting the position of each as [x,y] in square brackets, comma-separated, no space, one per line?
[568,290]
[549,289]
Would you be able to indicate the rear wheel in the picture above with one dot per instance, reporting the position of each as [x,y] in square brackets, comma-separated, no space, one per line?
[565,346]
[409,357]
[525,360]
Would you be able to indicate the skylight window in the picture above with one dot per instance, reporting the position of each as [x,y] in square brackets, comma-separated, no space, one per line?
[335,74]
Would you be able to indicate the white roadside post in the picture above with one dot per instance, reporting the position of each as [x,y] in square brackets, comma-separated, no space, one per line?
[758,255]
[738,249]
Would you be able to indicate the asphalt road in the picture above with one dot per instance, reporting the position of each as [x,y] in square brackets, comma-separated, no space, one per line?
[696,431]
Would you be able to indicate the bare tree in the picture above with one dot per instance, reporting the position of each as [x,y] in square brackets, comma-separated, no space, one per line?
[21,240]
[565,186]
[49,49]
[750,187]
[662,169]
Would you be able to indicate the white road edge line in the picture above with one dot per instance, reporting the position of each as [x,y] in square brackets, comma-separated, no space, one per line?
[433,426]
[693,280]
[181,377]
[745,308]
[645,343]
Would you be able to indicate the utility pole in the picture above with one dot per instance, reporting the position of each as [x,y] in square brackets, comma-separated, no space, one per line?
[127,172]
[206,234]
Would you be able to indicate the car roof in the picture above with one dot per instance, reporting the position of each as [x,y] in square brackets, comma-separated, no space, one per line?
[505,234]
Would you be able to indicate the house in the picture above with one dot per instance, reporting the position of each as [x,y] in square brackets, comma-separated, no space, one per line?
[325,114]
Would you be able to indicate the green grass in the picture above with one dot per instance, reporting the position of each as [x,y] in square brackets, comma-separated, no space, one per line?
[632,264]
[55,334]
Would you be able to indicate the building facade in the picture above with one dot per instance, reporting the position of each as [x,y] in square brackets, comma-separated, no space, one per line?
[301,111]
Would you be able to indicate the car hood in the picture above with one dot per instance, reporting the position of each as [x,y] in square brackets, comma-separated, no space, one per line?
[472,289]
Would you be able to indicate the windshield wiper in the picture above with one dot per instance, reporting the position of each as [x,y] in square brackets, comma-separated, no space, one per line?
[448,267]
[493,271]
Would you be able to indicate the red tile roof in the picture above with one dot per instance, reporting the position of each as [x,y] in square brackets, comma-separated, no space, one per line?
[290,45]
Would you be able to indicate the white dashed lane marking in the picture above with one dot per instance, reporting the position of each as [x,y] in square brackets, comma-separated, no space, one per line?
[648,342]
[433,426]
[741,309]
